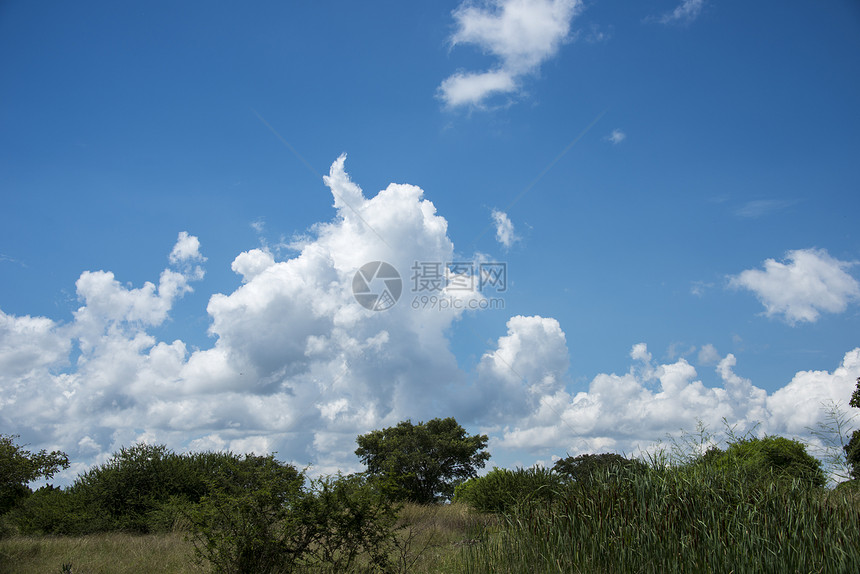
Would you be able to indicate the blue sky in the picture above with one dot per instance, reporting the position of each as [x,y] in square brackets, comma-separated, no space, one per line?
[672,186]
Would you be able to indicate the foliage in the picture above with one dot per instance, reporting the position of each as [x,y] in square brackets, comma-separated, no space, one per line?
[502,489]
[353,515]
[676,519]
[19,467]
[426,461]
[586,466]
[768,459]
[51,510]
[133,487]
[852,449]
[261,518]
[248,520]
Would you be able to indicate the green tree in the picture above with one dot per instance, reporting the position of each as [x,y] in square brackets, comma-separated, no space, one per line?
[852,449]
[19,467]
[500,490]
[581,468]
[426,461]
[768,458]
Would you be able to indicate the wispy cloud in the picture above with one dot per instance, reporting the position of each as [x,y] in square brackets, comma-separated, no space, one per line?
[684,13]
[760,207]
[504,229]
[616,137]
[521,34]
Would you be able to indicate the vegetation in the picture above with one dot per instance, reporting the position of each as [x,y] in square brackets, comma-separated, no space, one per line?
[425,461]
[852,449]
[19,467]
[501,489]
[585,467]
[758,504]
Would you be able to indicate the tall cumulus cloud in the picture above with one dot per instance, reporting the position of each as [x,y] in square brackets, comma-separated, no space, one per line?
[298,366]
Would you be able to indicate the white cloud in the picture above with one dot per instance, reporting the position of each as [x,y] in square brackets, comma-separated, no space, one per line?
[616,137]
[187,248]
[521,34]
[504,228]
[473,88]
[299,367]
[808,283]
[628,413]
[684,13]
[708,355]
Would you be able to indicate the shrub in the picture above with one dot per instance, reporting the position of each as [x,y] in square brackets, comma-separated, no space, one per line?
[501,489]
[259,517]
[587,467]
[768,459]
[250,521]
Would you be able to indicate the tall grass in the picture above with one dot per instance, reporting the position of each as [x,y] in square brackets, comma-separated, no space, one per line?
[695,519]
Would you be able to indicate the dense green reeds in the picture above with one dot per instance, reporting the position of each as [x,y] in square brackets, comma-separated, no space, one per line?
[692,519]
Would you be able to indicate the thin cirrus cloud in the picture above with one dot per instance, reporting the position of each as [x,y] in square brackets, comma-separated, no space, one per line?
[520,34]
[807,283]
[761,207]
[684,13]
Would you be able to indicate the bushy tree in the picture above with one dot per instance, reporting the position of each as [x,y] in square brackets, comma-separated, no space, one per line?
[426,461]
[584,467]
[133,486]
[501,489]
[260,517]
[768,458]
[852,449]
[251,519]
[19,467]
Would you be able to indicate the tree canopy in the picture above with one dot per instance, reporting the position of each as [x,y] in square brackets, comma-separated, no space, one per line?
[852,449]
[19,466]
[769,457]
[583,467]
[425,461]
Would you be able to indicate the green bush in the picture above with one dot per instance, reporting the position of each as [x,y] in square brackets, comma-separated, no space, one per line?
[132,489]
[250,520]
[766,460]
[261,518]
[587,467]
[501,489]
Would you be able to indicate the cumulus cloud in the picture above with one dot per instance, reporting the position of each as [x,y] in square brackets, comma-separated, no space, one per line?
[684,13]
[298,366]
[629,412]
[520,34]
[808,283]
[504,228]
[616,137]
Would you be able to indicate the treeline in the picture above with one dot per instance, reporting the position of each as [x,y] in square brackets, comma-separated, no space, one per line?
[759,504]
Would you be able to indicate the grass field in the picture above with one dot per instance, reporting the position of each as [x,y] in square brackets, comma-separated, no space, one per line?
[672,522]
[431,540]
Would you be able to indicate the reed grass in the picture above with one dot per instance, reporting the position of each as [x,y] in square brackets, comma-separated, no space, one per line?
[671,520]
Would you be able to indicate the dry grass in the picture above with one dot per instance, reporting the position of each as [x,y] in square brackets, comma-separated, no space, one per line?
[112,553]
[431,537]
[431,540]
